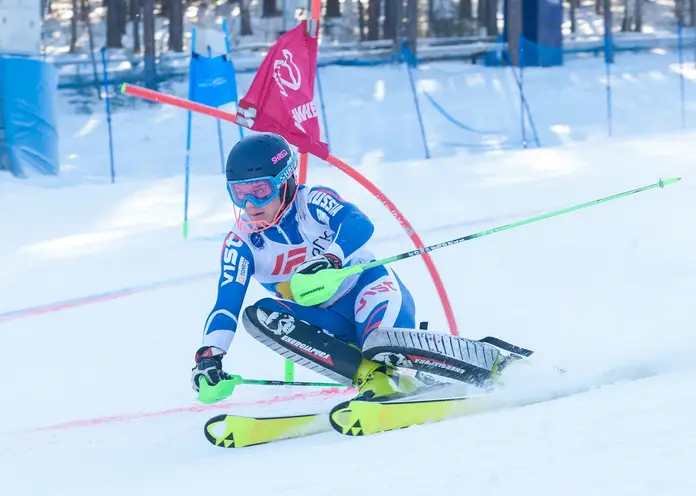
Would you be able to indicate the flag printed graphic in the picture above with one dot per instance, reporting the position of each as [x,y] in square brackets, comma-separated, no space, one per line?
[281,97]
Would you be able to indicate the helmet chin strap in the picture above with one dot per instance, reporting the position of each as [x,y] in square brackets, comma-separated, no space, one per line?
[252,226]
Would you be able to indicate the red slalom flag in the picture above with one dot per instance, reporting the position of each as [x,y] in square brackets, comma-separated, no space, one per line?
[281,97]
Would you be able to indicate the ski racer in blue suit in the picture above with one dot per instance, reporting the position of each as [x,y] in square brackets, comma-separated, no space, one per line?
[284,228]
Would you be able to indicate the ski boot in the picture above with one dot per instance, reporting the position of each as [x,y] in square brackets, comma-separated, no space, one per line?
[378,381]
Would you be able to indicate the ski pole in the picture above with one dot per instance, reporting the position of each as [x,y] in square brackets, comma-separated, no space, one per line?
[262,382]
[223,389]
[314,289]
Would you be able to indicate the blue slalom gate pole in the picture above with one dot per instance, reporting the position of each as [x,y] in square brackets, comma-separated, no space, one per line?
[108,116]
[680,42]
[323,109]
[409,59]
[608,60]
[187,167]
[522,97]
[228,47]
[186,172]
[523,119]
[609,105]
[219,128]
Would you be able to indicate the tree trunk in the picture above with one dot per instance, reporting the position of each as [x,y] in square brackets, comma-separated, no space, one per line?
[466,19]
[492,18]
[391,17]
[412,26]
[73,26]
[513,30]
[333,8]
[680,7]
[361,20]
[149,41]
[442,18]
[332,23]
[431,30]
[84,16]
[113,24]
[639,16]
[626,23]
[373,11]
[245,16]
[135,20]
[573,16]
[176,26]
[123,16]
[481,9]
[269,9]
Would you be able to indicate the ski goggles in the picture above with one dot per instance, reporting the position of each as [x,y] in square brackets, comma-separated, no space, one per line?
[260,190]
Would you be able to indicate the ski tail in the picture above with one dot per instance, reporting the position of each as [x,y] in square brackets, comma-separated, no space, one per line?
[234,431]
[360,418]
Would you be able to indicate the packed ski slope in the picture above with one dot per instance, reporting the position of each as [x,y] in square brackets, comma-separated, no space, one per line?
[96,396]
[97,401]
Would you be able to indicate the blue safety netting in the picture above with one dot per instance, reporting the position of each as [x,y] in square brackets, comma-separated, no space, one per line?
[28,134]
[590,95]
[466,106]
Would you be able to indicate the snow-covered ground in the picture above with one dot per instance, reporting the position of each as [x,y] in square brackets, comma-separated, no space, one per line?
[96,397]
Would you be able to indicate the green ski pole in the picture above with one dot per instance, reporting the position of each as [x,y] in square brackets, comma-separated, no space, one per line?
[212,394]
[314,289]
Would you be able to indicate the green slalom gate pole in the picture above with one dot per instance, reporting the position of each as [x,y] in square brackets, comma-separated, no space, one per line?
[289,370]
[314,289]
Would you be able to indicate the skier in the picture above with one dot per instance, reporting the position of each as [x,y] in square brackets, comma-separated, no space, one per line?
[282,229]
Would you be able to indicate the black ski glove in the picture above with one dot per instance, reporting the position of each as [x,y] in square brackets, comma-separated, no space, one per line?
[209,366]
[314,265]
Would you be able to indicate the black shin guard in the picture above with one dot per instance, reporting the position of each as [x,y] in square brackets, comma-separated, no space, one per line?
[304,344]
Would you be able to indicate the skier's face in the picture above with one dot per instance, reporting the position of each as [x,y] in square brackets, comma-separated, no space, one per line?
[266,214]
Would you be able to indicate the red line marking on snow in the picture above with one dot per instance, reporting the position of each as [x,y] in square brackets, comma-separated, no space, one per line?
[322,393]
[98,298]
[63,305]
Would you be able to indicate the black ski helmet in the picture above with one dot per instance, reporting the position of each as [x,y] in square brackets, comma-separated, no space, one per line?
[261,155]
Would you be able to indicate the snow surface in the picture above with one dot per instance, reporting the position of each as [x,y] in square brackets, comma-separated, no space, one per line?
[96,398]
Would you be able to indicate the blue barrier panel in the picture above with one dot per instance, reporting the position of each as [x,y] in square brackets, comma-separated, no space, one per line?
[27,96]
[541,24]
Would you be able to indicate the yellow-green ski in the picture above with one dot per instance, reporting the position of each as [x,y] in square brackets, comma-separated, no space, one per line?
[363,417]
[233,431]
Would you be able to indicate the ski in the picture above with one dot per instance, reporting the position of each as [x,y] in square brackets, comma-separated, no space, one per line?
[363,416]
[359,417]
[235,431]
